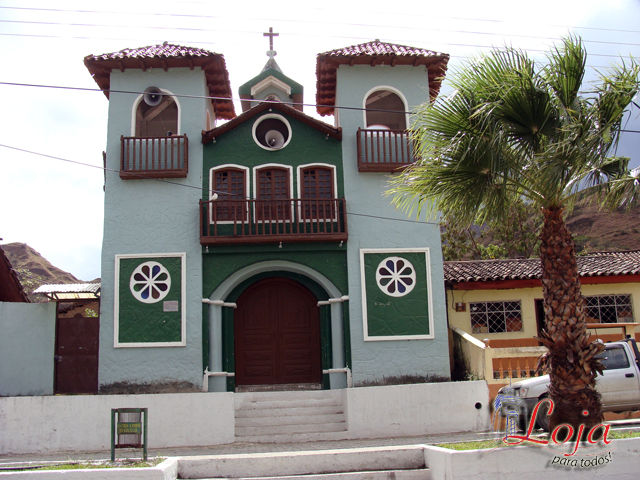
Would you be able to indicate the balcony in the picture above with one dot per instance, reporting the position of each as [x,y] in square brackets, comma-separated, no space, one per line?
[154,157]
[233,222]
[383,150]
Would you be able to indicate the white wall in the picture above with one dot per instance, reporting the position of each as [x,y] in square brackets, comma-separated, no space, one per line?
[421,409]
[532,463]
[82,423]
[27,347]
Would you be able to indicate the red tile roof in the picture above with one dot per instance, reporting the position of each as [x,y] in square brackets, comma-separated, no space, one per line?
[594,265]
[374,53]
[167,56]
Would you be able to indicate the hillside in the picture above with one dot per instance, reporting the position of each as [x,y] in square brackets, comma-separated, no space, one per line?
[595,230]
[34,270]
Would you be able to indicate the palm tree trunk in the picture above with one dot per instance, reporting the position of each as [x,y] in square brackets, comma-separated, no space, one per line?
[571,354]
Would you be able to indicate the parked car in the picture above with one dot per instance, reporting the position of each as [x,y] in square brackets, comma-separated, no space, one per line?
[619,385]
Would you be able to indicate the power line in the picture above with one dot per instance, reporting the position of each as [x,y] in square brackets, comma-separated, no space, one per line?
[104,168]
[134,92]
[412,15]
[208,30]
[75,162]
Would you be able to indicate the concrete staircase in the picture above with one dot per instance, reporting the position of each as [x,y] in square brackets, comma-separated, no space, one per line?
[375,463]
[289,416]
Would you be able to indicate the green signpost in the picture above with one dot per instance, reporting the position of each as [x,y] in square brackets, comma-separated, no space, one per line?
[129,430]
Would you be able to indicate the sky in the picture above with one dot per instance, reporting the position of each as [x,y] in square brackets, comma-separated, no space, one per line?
[56,206]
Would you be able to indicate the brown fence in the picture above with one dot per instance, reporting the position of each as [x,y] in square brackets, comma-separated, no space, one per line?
[383,150]
[154,157]
[266,221]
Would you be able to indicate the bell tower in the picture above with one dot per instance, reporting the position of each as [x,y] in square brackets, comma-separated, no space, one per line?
[271,84]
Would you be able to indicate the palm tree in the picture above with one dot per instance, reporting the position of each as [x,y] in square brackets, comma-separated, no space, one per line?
[511,130]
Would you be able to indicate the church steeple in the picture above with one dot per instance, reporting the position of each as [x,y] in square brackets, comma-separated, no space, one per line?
[271,84]
[271,63]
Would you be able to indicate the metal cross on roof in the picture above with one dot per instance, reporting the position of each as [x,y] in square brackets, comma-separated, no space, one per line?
[270,35]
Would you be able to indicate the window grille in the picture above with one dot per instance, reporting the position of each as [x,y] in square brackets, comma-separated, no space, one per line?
[609,309]
[496,317]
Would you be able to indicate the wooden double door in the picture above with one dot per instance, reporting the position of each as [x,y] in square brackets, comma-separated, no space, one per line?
[277,334]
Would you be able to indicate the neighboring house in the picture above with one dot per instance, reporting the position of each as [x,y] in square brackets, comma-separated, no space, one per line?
[26,338]
[261,253]
[501,300]
[10,287]
[495,311]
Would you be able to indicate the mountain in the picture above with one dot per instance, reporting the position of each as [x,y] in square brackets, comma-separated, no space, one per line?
[34,270]
[595,230]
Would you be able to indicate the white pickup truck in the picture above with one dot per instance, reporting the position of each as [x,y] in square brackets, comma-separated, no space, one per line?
[619,384]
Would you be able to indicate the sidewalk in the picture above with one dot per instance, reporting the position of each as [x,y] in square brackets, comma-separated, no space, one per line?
[238,448]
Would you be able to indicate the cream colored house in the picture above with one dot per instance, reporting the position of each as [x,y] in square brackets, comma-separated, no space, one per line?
[495,310]
[501,300]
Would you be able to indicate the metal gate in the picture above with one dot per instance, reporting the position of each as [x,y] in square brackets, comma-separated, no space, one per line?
[76,356]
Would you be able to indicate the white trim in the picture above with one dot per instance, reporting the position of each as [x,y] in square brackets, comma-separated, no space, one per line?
[299,185]
[135,109]
[264,117]
[342,299]
[183,296]
[247,190]
[223,290]
[365,327]
[407,117]
[281,166]
[270,81]
[219,303]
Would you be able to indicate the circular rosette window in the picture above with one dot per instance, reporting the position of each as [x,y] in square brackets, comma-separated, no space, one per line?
[396,276]
[150,282]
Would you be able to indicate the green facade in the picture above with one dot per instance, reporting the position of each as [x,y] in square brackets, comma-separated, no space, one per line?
[397,294]
[307,146]
[141,318]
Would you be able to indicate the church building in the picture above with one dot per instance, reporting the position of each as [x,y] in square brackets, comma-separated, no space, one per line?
[256,250]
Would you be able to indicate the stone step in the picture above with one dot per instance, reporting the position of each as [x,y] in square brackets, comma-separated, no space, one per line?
[289,411]
[287,418]
[289,395]
[294,437]
[291,428]
[320,462]
[413,474]
[286,403]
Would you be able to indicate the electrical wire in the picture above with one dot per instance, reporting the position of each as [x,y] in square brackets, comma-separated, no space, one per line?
[75,162]
[208,30]
[134,92]
[297,21]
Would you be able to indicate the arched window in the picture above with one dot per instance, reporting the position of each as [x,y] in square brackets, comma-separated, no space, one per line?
[386,109]
[230,183]
[157,120]
[273,192]
[317,191]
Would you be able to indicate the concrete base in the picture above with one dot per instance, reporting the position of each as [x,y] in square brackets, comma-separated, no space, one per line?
[533,463]
[302,463]
[81,423]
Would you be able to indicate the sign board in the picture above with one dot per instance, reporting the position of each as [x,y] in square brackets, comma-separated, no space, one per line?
[128,429]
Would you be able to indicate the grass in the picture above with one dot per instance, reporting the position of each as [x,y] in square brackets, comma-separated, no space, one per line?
[72,465]
[498,443]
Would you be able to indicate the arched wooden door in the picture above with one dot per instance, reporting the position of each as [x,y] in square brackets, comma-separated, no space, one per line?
[277,334]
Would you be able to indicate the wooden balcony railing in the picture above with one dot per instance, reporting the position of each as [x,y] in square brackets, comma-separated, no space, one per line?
[154,157]
[384,150]
[226,222]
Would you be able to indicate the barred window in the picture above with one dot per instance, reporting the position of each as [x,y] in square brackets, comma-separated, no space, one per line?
[496,317]
[609,309]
